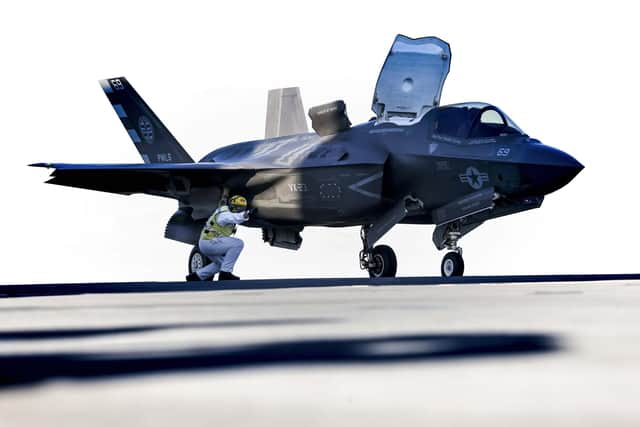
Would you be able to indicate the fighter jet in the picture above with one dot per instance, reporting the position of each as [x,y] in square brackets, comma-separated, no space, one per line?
[416,162]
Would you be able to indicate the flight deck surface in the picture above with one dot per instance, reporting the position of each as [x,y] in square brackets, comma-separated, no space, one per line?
[562,350]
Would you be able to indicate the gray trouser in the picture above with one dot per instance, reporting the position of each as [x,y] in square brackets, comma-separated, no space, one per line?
[223,253]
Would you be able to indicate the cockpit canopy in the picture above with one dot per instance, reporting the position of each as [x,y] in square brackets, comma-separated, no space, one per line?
[411,79]
[472,120]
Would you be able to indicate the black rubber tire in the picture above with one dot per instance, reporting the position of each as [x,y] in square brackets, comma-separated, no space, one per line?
[197,259]
[452,265]
[386,260]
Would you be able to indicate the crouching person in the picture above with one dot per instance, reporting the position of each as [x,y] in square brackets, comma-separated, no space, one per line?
[216,241]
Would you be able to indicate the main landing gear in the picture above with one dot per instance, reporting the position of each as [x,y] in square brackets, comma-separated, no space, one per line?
[379,261]
[197,260]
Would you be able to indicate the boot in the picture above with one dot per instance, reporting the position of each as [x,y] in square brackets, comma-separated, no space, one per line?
[225,275]
[193,277]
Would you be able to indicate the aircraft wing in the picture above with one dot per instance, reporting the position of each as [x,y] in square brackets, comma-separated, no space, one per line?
[173,180]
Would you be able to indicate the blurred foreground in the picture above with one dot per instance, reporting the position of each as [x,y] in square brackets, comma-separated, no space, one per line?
[511,354]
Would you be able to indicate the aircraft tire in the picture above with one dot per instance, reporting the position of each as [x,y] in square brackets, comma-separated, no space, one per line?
[196,260]
[386,262]
[452,265]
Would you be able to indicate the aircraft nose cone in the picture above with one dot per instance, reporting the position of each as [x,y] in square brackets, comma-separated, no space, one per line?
[550,169]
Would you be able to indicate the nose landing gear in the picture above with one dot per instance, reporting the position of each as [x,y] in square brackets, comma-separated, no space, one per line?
[452,263]
[455,220]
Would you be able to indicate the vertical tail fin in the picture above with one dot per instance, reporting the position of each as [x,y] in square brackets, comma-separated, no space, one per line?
[151,138]
[285,115]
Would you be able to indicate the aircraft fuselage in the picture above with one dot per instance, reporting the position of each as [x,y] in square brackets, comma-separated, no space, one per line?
[351,177]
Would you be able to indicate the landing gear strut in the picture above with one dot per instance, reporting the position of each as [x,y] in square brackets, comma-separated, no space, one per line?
[452,263]
[457,218]
[379,261]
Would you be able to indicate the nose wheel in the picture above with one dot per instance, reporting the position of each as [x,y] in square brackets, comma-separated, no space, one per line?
[452,264]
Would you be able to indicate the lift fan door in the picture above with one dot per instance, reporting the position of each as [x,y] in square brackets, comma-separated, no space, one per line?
[411,79]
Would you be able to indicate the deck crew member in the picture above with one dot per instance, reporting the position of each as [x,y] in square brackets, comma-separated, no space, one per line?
[216,241]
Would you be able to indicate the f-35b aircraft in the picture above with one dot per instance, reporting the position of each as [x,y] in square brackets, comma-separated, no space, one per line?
[415,162]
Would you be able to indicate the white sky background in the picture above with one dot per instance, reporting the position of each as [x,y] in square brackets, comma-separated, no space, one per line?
[568,75]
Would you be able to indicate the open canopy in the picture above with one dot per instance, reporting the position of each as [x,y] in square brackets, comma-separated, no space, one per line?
[411,79]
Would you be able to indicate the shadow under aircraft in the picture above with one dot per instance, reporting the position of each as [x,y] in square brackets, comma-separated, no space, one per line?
[415,162]
[22,370]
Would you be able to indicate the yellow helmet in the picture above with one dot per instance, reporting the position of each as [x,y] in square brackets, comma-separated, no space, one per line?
[237,204]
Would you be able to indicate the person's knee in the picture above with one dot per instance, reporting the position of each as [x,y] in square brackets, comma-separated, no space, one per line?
[239,244]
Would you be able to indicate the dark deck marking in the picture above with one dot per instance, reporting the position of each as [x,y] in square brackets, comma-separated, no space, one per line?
[13,291]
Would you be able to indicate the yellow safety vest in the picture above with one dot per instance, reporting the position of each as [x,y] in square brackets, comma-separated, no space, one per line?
[213,230]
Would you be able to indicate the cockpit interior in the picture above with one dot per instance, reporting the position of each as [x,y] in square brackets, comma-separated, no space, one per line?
[472,120]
